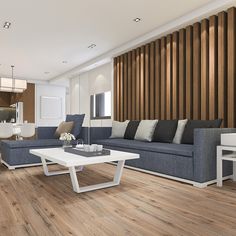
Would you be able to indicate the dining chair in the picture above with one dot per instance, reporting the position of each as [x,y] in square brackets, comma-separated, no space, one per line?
[6,130]
[27,130]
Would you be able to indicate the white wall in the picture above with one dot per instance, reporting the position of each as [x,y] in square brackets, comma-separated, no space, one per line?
[50,104]
[92,82]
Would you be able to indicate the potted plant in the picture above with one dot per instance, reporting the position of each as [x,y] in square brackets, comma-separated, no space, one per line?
[67,138]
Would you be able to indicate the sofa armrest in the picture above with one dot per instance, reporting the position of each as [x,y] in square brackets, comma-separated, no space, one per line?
[98,133]
[46,132]
[205,142]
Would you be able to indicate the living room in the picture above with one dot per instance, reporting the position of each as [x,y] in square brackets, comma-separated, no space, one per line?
[118,118]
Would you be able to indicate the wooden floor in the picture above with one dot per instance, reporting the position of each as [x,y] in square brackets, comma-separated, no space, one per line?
[32,204]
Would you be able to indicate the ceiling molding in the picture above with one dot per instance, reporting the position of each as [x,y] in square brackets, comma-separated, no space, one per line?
[192,17]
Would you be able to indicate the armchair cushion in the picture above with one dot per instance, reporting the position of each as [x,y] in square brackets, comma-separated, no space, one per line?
[78,121]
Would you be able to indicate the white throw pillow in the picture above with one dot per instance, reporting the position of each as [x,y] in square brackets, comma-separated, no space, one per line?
[145,130]
[179,131]
[118,129]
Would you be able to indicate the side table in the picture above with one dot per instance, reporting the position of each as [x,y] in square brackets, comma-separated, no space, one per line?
[227,157]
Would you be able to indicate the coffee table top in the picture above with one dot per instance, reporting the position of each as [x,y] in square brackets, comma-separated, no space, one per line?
[58,155]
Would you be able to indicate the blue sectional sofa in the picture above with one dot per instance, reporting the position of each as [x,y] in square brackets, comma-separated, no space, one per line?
[195,164]
[15,153]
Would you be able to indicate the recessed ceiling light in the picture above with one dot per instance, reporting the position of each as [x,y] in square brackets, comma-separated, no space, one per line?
[46,72]
[92,46]
[137,19]
[7,25]
[64,62]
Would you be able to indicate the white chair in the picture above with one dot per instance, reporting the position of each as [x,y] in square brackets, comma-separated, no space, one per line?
[6,130]
[27,130]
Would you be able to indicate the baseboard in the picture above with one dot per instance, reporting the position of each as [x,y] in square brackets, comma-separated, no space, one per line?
[195,184]
[22,166]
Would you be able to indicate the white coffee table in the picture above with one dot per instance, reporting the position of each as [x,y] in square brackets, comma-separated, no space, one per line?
[72,162]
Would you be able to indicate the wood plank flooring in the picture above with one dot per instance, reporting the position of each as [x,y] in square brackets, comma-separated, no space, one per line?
[32,204]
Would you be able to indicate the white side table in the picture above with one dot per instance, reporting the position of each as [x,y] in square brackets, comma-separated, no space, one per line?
[227,157]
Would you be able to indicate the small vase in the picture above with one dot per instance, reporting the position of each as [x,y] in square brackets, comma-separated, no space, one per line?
[67,143]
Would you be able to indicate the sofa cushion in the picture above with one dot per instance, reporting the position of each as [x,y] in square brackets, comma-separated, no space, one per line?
[32,143]
[180,130]
[118,129]
[78,121]
[194,124]
[131,129]
[64,127]
[145,130]
[165,131]
[170,148]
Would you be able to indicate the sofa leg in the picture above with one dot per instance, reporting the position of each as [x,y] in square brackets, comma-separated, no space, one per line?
[200,185]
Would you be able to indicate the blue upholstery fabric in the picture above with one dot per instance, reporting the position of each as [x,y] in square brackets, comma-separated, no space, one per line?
[78,121]
[168,148]
[97,133]
[46,132]
[205,142]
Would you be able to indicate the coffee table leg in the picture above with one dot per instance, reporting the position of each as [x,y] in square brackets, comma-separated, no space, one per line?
[74,179]
[45,167]
[118,173]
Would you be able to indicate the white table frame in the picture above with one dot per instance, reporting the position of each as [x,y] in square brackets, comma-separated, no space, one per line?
[75,163]
[74,179]
[226,157]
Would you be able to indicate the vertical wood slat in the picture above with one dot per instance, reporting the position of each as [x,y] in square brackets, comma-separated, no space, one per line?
[189,72]
[146,82]
[118,90]
[163,78]
[169,77]
[121,88]
[222,67]
[152,81]
[175,75]
[137,116]
[125,84]
[134,94]
[204,69]
[231,67]
[158,79]
[115,106]
[142,83]
[196,71]
[213,74]
[129,84]
[182,75]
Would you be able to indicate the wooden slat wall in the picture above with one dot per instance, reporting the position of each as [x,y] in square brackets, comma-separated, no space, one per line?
[190,73]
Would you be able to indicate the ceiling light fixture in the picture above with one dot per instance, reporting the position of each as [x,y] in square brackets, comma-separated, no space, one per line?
[92,46]
[7,25]
[137,20]
[46,72]
[12,85]
[64,62]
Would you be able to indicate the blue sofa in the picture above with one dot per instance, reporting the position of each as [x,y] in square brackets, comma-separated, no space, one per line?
[195,164]
[15,153]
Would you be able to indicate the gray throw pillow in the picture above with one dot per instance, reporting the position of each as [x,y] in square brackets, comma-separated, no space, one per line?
[118,129]
[145,130]
[64,127]
[180,130]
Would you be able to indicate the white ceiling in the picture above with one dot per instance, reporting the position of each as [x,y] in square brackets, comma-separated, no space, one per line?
[46,32]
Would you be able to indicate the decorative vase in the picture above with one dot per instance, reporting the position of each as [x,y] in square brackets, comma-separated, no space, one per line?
[66,143]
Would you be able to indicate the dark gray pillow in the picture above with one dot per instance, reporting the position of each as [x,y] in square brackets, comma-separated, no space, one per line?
[131,129]
[194,124]
[78,121]
[165,131]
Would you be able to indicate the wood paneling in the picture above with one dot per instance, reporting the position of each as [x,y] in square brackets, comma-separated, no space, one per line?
[213,73]
[157,79]
[204,69]
[182,74]
[231,67]
[197,71]
[5,99]
[222,67]
[175,76]
[190,74]
[151,91]
[163,78]
[169,77]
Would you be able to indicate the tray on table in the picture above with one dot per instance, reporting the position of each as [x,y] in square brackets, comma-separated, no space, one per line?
[73,150]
